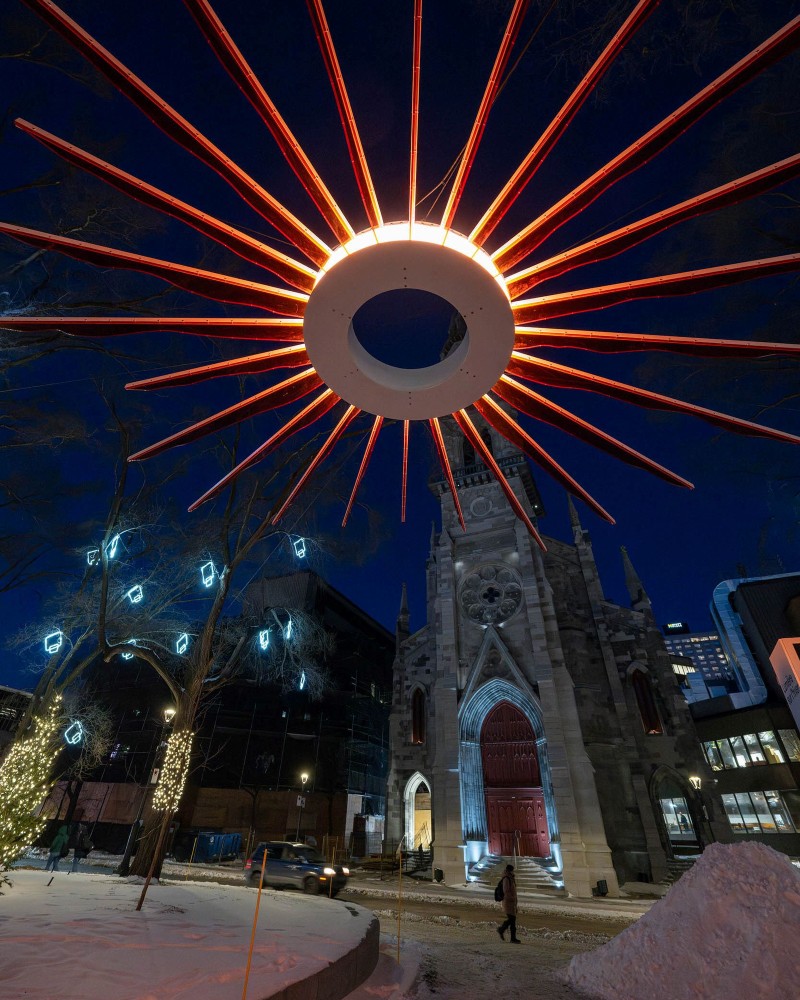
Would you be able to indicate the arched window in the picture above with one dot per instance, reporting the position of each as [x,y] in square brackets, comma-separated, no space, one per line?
[647,703]
[418,717]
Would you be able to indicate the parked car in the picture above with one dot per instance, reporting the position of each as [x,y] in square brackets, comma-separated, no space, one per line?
[295,866]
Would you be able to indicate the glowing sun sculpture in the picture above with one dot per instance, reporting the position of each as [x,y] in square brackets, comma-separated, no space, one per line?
[496,362]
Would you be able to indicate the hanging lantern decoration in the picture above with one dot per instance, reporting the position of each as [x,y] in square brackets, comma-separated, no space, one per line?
[182,644]
[93,557]
[135,595]
[302,683]
[53,642]
[287,630]
[263,638]
[299,547]
[207,573]
[129,656]
[112,548]
[74,732]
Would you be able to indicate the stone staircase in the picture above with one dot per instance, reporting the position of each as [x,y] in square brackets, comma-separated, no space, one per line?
[531,874]
[676,868]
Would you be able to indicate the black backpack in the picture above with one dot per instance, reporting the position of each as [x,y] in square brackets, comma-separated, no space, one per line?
[499,891]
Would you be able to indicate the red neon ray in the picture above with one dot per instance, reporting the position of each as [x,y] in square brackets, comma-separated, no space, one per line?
[562,377]
[405,473]
[538,408]
[192,279]
[444,461]
[240,72]
[283,329]
[493,414]
[346,116]
[180,130]
[601,342]
[629,236]
[515,20]
[663,285]
[373,437]
[323,404]
[461,417]
[350,414]
[240,243]
[657,139]
[412,167]
[543,146]
[289,391]
[248,364]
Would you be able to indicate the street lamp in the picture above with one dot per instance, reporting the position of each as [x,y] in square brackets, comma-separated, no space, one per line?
[301,801]
[169,715]
[695,782]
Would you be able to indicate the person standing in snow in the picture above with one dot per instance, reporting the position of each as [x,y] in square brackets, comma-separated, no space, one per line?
[509,904]
[81,844]
[56,847]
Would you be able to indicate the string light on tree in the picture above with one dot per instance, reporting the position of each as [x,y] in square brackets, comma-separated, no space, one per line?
[53,642]
[25,780]
[172,779]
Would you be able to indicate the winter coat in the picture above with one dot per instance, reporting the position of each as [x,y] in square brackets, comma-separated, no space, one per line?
[509,902]
[59,840]
[82,843]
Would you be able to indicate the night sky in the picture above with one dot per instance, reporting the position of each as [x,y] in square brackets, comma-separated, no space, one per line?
[742,515]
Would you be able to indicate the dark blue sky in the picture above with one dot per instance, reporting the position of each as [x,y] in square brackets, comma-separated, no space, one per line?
[744,510]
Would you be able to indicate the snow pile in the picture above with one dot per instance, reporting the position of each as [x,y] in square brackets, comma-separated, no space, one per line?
[729,928]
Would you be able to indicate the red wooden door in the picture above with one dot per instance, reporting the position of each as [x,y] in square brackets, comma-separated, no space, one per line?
[512,783]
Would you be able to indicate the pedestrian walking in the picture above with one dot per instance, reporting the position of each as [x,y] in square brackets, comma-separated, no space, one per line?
[508,900]
[58,849]
[81,844]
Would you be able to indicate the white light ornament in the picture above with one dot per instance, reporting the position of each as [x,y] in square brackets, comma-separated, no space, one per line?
[182,644]
[287,630]
[263,638]
[299,545]
[135,595]
[93,557]
[302,683]
[74,733]
[112,548]
[129,656]
[208,573]
[53,642]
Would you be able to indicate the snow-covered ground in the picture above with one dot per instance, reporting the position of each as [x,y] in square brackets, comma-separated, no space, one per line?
[79,937]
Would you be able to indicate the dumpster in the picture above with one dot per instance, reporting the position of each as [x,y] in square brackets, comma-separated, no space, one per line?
[217,846]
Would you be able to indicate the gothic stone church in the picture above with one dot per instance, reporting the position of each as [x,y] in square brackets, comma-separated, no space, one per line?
[531,715]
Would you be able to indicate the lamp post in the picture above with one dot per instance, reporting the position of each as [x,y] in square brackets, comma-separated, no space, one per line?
[301,801]
[125,864]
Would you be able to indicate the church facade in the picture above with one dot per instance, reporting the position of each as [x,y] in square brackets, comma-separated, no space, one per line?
[531,716]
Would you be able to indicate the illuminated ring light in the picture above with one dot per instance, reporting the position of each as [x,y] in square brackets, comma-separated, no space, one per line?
[383,260]
[498,370]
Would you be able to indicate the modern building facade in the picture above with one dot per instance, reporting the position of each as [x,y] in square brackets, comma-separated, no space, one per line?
[707,657]
[530,714]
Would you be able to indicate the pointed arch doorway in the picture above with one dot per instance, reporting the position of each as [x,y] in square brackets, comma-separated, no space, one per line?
[515,809]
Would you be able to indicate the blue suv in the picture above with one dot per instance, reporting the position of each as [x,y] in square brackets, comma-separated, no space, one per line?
[295,866]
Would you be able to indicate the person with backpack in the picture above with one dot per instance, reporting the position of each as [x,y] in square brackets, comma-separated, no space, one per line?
[81,846]
[506,894]
[58,849]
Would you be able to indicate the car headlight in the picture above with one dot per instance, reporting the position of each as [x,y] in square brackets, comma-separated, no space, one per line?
[329,871]
[345,871]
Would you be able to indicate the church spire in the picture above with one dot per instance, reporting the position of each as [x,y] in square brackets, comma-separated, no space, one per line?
[639,599]
[401,629]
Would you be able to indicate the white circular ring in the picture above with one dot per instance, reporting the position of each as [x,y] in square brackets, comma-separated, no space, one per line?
[409,393]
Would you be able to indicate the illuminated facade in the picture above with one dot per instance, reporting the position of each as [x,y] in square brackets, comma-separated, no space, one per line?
[532,715]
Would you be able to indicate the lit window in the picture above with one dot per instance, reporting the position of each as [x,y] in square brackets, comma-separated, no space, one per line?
[712,756]
[754,749]
[726,753]
[791,743]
